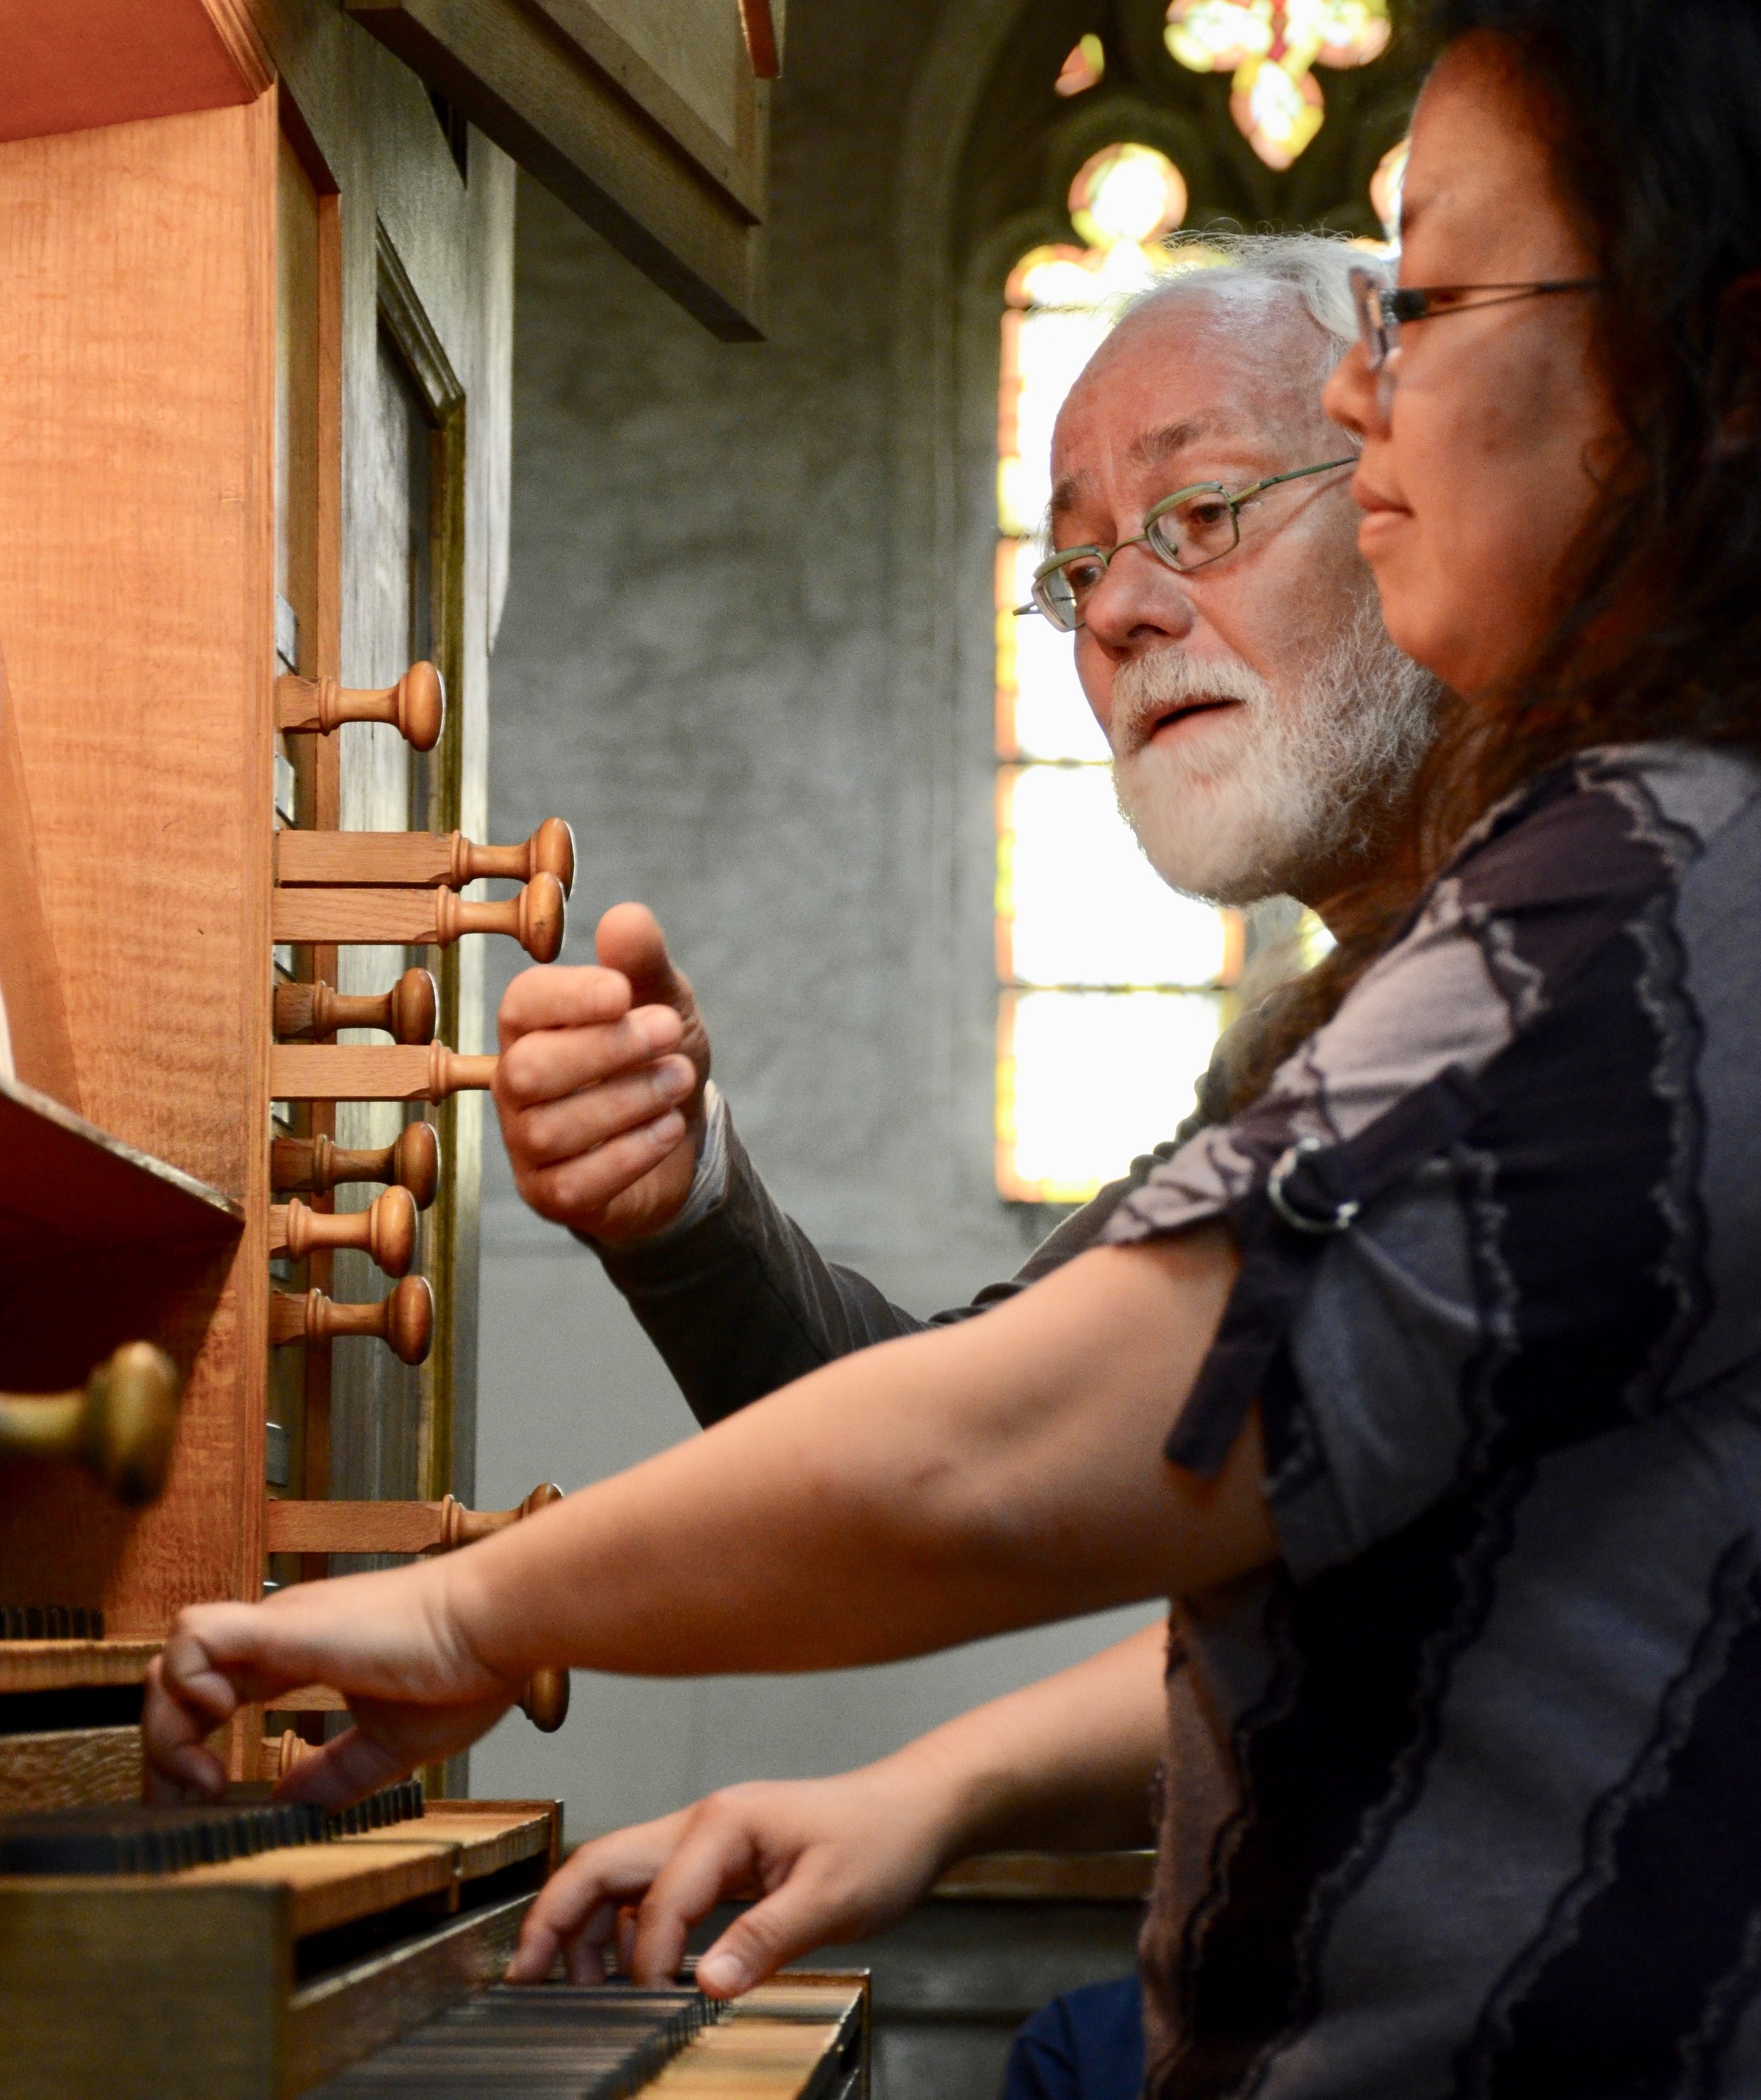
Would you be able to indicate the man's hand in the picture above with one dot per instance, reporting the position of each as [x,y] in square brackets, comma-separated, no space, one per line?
[827,1859]
[416,1689]
[600,1087]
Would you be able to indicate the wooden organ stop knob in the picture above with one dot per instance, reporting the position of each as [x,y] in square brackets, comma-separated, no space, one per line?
[421,860]
[385,1229]
[408,1012]
[338,1072]
[537,918]
[316,1166]
[415,706]
[121,1424]
[303,1526]
[403,1320]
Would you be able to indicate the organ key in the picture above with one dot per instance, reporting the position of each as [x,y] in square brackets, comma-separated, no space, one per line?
[121,1424]
[403,1320]
[408,1012]
[415,706]
[317,1165]
[350,918]
[427,860]
[385,1229]
[339,1072]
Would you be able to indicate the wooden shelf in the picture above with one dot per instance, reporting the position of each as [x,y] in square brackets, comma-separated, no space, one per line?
[66,1187]
[61,1665]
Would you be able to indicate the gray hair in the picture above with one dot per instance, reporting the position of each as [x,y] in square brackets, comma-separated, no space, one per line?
[1311,268]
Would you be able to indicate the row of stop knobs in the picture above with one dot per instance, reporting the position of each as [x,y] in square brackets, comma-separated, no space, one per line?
[342,888]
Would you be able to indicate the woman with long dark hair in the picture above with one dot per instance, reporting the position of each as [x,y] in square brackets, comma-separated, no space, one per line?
[1428,1385]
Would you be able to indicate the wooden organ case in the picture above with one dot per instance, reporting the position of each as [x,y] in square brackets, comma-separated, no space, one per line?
[255,317]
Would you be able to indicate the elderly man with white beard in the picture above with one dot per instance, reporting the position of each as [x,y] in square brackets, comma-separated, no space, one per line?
[1265,734]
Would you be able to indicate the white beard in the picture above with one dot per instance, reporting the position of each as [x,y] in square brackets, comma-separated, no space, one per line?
[1276,789]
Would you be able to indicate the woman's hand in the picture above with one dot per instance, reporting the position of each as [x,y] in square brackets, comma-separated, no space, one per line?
[826,1858]
[390,1644]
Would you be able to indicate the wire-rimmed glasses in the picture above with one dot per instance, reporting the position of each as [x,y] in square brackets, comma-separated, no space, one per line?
[1195,525]
[1382,309]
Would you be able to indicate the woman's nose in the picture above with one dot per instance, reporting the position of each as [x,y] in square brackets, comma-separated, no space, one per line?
[1354,397]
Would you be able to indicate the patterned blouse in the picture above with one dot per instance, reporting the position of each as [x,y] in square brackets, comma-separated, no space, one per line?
[1464,1798]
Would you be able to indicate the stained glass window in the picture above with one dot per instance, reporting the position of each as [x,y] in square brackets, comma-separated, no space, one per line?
[1271,48]
[1112,988]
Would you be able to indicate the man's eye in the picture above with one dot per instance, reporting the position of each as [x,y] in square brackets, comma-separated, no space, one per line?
[1084,574]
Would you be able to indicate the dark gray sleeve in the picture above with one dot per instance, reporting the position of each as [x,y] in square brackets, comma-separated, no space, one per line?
[742,1302]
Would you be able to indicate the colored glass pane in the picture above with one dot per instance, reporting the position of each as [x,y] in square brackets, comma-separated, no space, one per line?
[1077,902]
[1338,33]
[1083,67]
[1043,712]
[1277,112]
[1387,186]
[1088,1079]
[1217,36]
[1127,193]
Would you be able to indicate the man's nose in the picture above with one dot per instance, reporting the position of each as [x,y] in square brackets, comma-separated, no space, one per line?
[1355,397]
[1139,597]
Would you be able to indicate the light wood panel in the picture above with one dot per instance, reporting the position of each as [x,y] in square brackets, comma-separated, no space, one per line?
[72,64]
[136,421]
[40,1051]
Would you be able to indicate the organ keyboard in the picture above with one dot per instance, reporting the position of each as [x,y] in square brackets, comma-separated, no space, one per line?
[250,1952]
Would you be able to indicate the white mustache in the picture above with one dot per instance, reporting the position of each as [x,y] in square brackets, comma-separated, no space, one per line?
[1145,687]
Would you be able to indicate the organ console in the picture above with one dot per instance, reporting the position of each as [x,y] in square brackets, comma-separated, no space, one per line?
[422,859]
[304,1012]
[343,918]
[403,1320]
[243,729]
[120,1424]
[415,706]
[411,1161]
[385,1229]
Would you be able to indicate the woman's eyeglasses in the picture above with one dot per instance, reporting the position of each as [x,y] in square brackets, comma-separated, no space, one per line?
[1194,526]
[1381,309]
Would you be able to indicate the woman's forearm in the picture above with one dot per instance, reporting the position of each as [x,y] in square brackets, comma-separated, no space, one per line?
[1061,1765]
[925,1492]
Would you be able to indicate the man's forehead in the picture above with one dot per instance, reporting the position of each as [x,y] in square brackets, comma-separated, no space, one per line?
[1161,441]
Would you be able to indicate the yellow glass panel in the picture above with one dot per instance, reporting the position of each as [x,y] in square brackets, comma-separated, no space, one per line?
[1087,1080]
[1083,69]
[1078,903]
[1127,193]
[1339,32]
[1042,712]
[1216,36]
[1386,187]
[1277,112]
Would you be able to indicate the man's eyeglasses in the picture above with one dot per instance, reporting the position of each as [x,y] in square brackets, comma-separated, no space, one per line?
[1194,526]
[1381,310]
